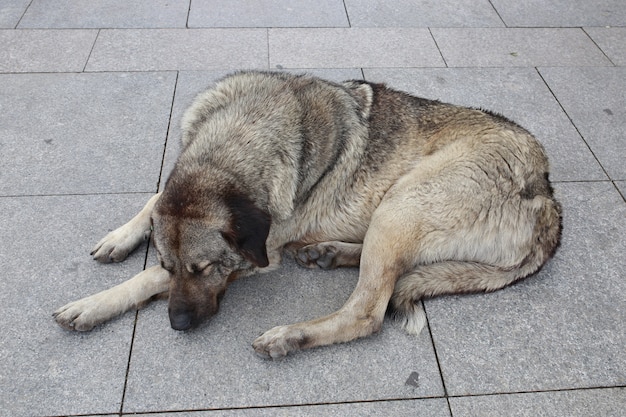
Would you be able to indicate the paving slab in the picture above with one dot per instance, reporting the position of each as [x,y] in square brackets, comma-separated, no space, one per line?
[609,402]
[178,49]
[409,13]
[106,14]
[45,50]
[407,408]
[561,13]
[191,83]
[621,186]
[44,255]
[354,47]
[517,47]
[82,133]
[594,100]
[226,373]
[11,11]
[518,93]
[612,41]
[267,13]
[560,329]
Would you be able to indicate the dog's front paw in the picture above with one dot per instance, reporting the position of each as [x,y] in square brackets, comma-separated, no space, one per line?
[279,341]
[320,255]
[82,315]
[116,245]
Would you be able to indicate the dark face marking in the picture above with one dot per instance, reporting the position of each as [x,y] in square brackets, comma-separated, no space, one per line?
[249,228]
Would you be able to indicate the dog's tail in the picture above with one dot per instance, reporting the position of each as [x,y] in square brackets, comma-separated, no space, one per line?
[456,277]
[447,277]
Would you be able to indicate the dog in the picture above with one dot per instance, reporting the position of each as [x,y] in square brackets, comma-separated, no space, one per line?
[426,198]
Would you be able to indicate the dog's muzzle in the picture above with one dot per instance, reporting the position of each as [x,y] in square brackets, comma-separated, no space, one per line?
[181,319]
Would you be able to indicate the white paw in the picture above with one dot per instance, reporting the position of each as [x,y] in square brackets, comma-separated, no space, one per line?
[279,341]
[84,314]
[116,245]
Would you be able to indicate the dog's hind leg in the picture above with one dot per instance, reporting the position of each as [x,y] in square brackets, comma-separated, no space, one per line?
[84,314]
[116,245]
[328,255]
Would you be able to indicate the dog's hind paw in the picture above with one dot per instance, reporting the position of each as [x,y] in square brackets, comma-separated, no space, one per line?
[278,342]
[116,245]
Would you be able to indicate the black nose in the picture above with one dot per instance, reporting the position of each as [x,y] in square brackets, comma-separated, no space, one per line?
[180,320]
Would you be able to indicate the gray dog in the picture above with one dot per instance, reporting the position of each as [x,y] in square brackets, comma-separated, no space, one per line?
[426,198]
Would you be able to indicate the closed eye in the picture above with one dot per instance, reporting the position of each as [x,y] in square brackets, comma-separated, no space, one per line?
[200,267]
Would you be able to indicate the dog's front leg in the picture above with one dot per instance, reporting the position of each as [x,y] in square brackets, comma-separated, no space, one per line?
[84,314]
[361,315]
[116,245]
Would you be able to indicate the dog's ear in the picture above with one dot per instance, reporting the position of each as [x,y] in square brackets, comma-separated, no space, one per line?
[248,229]
[363,93]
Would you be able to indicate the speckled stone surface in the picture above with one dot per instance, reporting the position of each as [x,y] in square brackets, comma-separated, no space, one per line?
[83,133]
[582,403]
[44,253]
[539,13]
[407,408]
[612,40]
[408,13]
[178,49]
[594,100]
[517,47]
[45,50]
[11,11]
[267,13]
[354,47]
[105,14]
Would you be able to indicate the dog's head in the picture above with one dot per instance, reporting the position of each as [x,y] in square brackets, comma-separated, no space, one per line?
[204,239]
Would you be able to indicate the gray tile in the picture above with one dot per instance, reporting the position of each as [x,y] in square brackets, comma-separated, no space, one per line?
[11,11]
[219,359]
[594,99]
[608,402]
[517,93]
[562,328]
[44,256]
[612,41]
[621,186]
[82,133]
[178,49]
[561,13]
[409,408]
[45,50]
[517,47]
[409,13]
[190,83]
[267,13]
[106,14]
[354,47]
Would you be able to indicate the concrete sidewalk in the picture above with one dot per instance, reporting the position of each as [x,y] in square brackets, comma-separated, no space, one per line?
[91,94]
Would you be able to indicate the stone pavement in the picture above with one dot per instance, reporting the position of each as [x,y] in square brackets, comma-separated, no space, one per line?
[91,94]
